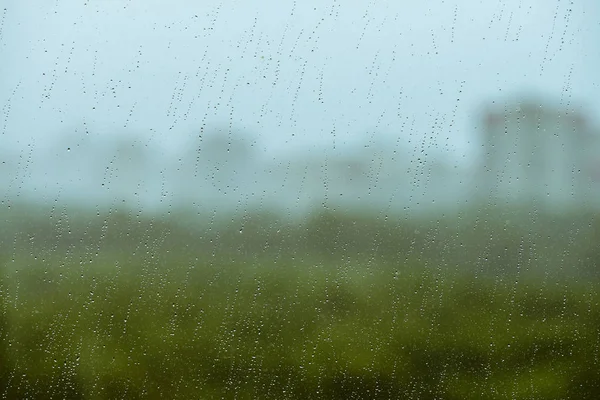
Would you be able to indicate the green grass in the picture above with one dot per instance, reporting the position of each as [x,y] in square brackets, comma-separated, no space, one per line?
[173,327]
[110,305]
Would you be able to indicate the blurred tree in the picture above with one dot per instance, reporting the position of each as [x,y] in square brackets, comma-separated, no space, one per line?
[217,168]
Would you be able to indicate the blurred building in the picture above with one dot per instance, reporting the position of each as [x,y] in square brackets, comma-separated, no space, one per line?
[538,156]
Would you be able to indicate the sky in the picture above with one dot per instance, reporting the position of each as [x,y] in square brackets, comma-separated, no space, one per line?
[315,74]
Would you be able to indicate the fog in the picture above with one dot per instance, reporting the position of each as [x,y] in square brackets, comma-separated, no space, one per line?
[108,102]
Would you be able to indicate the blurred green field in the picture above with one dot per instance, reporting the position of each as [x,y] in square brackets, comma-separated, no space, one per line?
[126,308]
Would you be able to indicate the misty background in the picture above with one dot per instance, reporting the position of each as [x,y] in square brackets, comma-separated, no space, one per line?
[278,105]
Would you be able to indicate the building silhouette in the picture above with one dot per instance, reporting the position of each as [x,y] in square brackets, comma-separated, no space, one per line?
[539,156]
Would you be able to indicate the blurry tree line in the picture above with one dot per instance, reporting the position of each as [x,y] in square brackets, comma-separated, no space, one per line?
[487,241]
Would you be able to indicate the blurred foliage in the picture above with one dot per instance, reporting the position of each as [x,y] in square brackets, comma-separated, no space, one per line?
[480,305]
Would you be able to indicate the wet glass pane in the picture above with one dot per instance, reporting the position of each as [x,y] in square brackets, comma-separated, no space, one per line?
[283,199]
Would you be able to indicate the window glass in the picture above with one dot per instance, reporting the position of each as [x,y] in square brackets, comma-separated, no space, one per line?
[283,199]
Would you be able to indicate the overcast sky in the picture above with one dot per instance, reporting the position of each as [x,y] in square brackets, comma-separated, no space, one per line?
[294,72]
